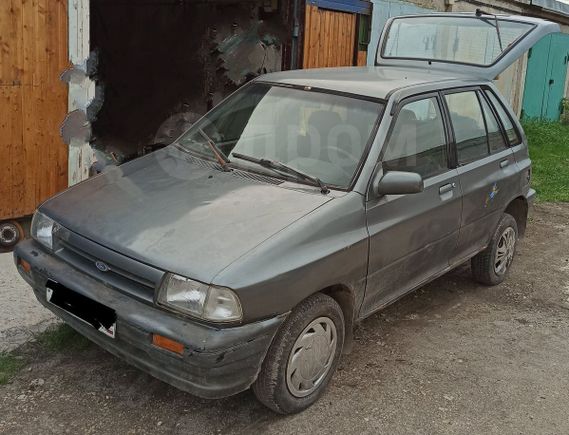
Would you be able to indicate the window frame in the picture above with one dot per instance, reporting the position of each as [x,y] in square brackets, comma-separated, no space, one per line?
[485,90]
[483,97]
[449,91]
[436,94]
[381,46]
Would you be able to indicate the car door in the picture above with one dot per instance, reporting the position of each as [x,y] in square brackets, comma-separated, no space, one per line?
[487,172]
[412,236]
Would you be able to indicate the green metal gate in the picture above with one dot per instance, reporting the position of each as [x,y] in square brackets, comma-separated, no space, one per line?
[545,77]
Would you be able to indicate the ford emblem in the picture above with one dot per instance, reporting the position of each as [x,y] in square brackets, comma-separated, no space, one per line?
[102,266]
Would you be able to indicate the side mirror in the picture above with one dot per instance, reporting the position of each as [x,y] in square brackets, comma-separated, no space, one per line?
[398,183]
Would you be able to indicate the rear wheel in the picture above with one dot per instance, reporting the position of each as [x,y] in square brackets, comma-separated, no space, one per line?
[303,356]
[491,265]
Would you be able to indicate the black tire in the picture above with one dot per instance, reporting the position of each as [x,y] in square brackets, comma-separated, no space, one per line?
[271,387]
[483,265]
[11,232]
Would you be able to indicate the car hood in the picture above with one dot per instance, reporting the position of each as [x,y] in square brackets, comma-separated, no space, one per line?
[179,213]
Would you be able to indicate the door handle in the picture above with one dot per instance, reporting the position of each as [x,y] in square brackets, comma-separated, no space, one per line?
[446,188]
[504,163]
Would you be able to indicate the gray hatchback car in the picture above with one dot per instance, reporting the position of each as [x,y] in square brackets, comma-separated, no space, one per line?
[244,253]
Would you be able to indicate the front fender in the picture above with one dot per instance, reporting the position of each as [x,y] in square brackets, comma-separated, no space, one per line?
[327,247]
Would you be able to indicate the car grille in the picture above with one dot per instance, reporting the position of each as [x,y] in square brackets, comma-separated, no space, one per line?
[118,271]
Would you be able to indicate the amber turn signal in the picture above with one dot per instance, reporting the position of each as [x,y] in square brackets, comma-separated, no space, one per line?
[26,267]
[168,344]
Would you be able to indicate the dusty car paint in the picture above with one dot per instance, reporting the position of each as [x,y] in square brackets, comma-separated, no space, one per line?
[217,362]
[273,242]
[154,208]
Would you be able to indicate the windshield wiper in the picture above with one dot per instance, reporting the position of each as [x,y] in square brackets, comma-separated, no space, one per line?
[480,12]
[281,167]
[219,155]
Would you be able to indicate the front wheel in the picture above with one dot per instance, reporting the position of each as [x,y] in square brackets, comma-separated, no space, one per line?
[303,356]
[490,266]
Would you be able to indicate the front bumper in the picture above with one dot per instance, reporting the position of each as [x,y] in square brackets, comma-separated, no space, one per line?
[216,363]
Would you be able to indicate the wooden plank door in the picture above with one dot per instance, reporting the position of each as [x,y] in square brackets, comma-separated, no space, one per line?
[329,38]
[33,103]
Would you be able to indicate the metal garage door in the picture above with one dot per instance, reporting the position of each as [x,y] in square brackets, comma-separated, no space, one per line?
[546,77]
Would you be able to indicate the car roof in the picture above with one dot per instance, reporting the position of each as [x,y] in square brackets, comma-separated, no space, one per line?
[372,81]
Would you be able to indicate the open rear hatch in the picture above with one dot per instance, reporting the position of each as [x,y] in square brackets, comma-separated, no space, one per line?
[477,44]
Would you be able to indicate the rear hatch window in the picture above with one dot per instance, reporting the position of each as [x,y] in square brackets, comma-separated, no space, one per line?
[478,45]
[476,41]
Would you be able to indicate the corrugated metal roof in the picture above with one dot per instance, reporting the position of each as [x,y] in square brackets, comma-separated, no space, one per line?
[560,7]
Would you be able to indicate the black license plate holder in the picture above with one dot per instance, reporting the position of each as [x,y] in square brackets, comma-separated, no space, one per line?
[99,316]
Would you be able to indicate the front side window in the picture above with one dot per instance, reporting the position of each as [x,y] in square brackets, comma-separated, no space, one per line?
[321,134]
[468,125]
[417,141]
[511,132]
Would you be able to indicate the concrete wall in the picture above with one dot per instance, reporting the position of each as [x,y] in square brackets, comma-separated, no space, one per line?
[81,90]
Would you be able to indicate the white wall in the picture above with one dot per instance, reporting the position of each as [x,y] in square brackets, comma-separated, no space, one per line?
[81,89]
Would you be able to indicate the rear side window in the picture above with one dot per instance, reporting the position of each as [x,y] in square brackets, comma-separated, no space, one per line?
[495,137]
[468,125]
[417,142]
[511,132]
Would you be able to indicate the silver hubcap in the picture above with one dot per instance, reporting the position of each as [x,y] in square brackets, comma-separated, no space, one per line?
[311,357]
[9,234]
[505,251]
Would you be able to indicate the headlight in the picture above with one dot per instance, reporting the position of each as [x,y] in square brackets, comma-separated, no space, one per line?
[42,229]
[216,304]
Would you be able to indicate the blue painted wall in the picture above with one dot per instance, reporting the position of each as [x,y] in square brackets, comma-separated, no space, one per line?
[354,6]
[382,11]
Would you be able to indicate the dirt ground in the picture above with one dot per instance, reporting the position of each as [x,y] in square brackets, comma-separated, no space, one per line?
[21,317]
[454,357]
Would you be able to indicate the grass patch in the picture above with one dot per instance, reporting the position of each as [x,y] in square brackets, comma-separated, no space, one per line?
[9,366]
[62,338]
[59,338]
[549,152]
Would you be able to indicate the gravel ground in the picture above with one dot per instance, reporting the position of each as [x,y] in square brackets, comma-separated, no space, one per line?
[454,357]
[21,316]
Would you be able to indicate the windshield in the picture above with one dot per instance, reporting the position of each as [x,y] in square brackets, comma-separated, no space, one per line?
[470,40]
[320,134]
